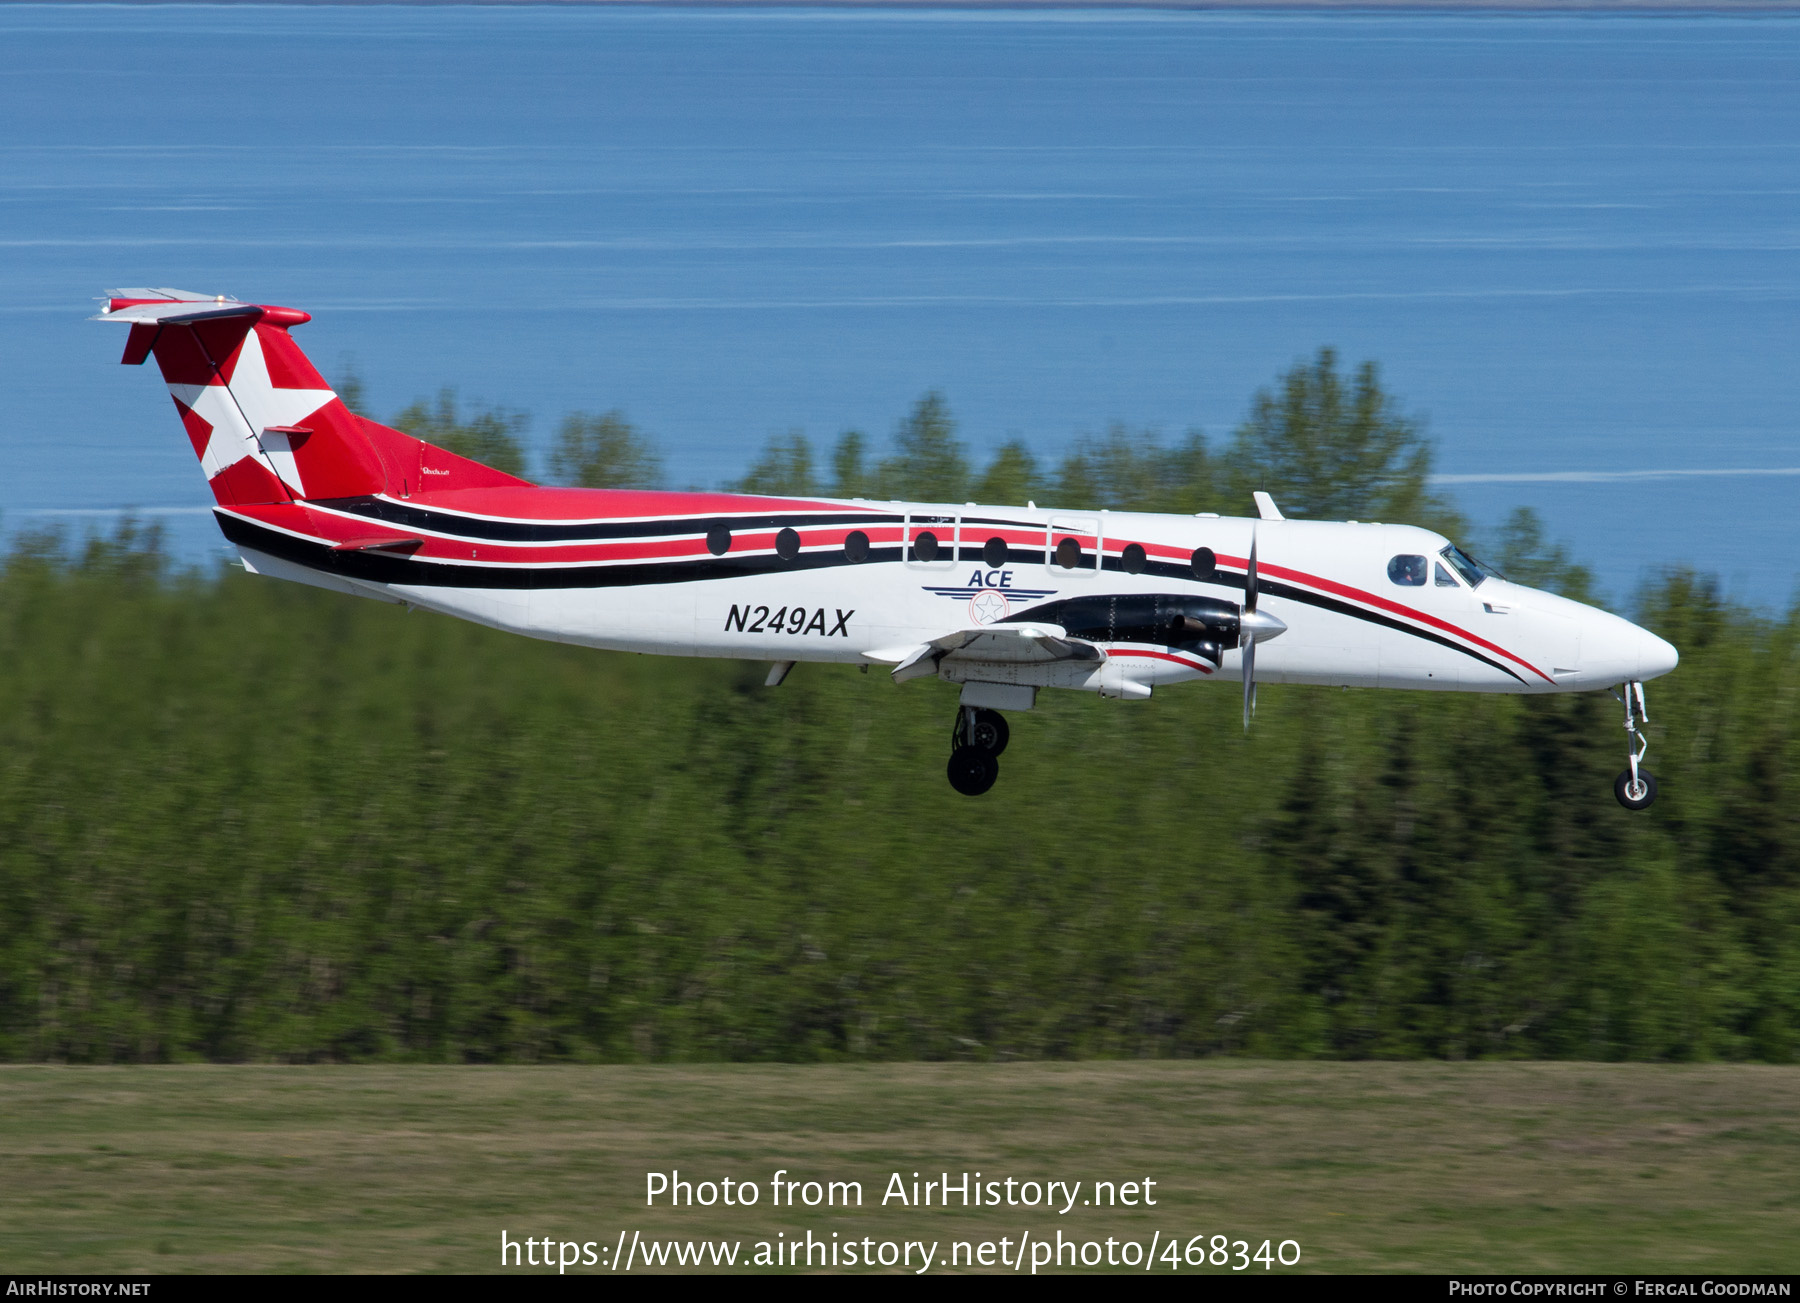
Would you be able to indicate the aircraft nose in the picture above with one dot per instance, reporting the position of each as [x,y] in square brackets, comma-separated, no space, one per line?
[1613,649]
[1654,655]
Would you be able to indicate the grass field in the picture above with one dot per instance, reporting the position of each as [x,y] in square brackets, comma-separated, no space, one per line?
[1496,1167]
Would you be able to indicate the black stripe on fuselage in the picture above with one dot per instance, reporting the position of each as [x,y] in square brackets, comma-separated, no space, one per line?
[1275,588]
[389,568]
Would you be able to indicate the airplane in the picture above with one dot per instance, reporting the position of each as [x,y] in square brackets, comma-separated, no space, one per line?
[1001,601]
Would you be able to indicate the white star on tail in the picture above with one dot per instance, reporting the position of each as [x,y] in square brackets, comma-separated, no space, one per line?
[252,404]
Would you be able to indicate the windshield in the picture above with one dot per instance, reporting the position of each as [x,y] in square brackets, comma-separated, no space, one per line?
[1472,571]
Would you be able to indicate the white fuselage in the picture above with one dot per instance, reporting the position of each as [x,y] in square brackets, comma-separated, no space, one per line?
[1348,593]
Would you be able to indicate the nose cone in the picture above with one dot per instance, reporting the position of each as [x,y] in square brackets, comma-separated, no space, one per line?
[1260,626]
[1614,650]
[1654,656]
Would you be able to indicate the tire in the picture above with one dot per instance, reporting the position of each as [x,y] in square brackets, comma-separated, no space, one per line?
[1642,799]
[972,770]
[991,732]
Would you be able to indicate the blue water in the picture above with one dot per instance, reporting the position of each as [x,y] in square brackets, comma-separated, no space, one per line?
[1572,242]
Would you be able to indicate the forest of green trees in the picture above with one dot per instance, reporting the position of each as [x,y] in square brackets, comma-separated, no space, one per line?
[240,819]
[1326,444]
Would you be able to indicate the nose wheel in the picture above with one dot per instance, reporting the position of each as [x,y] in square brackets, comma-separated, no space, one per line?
[1636,787]
[1635,795]
[976,743]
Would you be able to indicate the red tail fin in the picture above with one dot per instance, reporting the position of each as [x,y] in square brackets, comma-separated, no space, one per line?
[264,424]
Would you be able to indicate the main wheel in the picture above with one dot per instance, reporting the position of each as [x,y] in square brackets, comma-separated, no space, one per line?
[972,770]
[991,732]
[1636,797]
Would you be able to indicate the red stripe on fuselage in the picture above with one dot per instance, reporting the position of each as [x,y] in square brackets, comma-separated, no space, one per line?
[1165,656]
[1339,590]
[338,525]
[1382,603]
[534,504]
[612,505]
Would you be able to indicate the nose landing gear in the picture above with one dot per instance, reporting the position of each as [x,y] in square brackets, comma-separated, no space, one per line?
[1636,787]
[976,743]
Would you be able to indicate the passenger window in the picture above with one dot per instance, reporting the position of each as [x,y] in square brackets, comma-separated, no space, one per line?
[993,553]
[1134,559]
[925,546]
[1068,554]
[1407,571]
[1444,578]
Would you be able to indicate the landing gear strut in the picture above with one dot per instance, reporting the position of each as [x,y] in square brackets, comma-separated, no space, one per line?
[976,743]
[1636,787]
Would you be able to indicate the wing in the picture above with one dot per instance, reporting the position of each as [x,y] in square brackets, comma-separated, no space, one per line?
[1004,644]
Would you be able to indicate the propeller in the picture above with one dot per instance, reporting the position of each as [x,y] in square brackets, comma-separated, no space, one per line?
[1247,633]
[1253,627]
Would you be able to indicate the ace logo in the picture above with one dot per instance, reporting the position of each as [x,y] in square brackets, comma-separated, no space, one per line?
[991,579]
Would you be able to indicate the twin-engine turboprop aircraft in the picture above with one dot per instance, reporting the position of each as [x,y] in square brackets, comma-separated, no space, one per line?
[1003,601]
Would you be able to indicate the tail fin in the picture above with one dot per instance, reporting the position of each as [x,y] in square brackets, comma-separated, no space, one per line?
[264,424]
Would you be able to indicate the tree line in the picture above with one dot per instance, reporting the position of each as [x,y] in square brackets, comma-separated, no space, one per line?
[1327,443]
[242,819]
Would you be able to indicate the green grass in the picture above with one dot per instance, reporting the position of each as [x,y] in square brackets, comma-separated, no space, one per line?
[1499,1167]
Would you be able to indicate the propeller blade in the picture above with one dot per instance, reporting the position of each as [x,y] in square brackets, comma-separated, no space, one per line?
[1249,682]
[1250,575]
[1247,624]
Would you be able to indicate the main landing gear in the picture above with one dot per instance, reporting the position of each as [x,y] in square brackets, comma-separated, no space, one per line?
[1636,787]
[976,743]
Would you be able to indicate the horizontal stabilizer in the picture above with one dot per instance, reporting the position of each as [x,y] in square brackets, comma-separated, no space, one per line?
[174,296]
[143,314]
[160,307]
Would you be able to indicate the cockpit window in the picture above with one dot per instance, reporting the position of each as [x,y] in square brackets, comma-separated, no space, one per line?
[1468,567]
[1408,571]
[1443,578]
